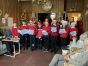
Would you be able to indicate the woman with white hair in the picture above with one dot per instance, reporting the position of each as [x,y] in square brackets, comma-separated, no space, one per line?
[79,43]
[79,58]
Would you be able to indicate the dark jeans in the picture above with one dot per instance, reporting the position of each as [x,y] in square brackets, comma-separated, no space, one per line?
[46,42]
[32,42]
[63,42]
[54,40]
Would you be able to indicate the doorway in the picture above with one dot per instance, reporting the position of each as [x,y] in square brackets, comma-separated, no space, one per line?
[43,16]
[75,15]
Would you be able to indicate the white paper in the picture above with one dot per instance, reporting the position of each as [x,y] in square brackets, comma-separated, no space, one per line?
[45,32]
[73,33]
[22,32]
[53,29]
[30,32]
[62,31]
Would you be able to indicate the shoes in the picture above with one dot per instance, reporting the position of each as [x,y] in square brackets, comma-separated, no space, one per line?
[45,50]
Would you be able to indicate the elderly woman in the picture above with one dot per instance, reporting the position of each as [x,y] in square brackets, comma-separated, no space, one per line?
[79,58]
[79,43]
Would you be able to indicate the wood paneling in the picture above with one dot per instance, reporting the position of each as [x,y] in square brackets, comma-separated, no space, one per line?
[74,5]
[10,7]
[85,17]
[58,6]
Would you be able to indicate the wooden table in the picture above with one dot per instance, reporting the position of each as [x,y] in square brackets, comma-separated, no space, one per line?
[14,50]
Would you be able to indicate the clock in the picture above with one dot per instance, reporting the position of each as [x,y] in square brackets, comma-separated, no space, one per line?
[47,6]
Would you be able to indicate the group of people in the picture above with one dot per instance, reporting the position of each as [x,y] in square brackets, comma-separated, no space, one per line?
[46,35]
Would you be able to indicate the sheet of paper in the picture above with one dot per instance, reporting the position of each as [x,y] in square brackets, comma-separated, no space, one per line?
[73,33]
[22,32]
[53,29]
[45,32]
[62,31]
[30,32]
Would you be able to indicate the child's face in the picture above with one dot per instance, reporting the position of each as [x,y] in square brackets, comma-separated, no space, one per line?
[46,24]
[24,23]
[46,20]
[39,25]
[14,25]
[31,23]
[54,21]
[72,19]
[28,24]
[60,26]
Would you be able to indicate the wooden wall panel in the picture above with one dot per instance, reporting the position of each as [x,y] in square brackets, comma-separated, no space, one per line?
[75,5]
[58,6]
[10,7]
[85,17]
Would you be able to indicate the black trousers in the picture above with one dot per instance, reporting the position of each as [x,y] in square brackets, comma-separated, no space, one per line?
[46,42]
[54,41]
[33,42]
[63,42]
[24,41]
[39,43]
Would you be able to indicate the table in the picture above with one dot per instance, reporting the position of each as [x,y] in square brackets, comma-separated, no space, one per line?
[13,40]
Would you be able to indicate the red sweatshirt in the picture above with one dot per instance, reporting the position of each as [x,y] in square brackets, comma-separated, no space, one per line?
[62,33]
[46,30]
[54,30]
[33,30]
[15,32]
[72,30]
[23,27]
[39,33]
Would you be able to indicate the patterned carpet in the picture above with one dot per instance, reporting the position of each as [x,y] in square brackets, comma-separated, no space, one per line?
[27,58]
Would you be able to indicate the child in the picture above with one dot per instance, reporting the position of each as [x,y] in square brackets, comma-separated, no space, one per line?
[39,35]
[23,35]
[32,33]
[23,26]
[46,34]
[14,30]
[73,30]
[54,36]
[63,31]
